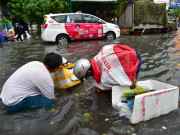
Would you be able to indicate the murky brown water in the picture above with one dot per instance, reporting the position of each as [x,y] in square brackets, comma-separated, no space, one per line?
[161,61]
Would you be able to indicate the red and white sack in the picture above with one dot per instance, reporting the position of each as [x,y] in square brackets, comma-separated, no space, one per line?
[114,65]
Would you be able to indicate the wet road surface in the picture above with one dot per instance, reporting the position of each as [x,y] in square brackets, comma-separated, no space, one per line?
[161,61]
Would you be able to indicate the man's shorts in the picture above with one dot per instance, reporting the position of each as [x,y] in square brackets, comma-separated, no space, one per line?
[33,102]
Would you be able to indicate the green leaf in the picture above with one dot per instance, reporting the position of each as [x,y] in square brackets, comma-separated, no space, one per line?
[52,110]
[5,21]
[87,115]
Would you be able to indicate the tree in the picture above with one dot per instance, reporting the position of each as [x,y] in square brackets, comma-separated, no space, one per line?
[33,10]
[115,11]
[176,11]
[5,21]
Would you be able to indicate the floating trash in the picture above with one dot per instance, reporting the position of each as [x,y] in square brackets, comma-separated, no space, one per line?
[52,110]
[106,119]
[88,116]
[163,127]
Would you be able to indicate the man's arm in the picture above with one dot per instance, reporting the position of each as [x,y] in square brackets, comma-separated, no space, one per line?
[45,85]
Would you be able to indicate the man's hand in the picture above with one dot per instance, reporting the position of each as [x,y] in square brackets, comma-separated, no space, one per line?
[133,84]
[55,99]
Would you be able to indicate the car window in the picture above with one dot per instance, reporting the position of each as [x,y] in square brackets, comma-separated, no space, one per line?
[60,18]
[90,19]
[171,16]
[74,18]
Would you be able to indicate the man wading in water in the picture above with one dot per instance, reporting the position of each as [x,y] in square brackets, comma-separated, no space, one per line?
[31,86]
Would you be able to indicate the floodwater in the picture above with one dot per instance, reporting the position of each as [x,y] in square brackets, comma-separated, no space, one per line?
[161,61]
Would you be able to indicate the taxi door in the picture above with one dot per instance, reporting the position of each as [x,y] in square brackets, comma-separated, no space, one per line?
[75,27]
[95,29]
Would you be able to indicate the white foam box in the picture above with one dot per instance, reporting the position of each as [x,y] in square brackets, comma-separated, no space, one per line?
[148,105]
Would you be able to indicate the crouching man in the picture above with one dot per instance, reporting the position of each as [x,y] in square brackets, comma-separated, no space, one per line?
[31,86]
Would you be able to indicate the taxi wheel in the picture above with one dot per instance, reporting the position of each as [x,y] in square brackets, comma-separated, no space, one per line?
[110,35]
[62,39]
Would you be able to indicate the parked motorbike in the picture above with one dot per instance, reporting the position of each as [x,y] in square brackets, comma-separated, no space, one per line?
[8,36]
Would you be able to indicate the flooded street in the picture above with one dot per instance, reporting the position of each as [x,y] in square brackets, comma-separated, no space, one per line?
[161,61]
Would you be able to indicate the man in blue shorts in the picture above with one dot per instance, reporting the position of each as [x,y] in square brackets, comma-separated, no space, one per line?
[31,86]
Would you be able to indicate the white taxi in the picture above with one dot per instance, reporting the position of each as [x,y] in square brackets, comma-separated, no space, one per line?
[62,28]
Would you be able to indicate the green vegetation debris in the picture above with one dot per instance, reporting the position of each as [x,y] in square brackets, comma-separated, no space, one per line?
[135,91]
[87,115]
[89,88]
[52,110]
[127,131]
[143,125]
[132,128]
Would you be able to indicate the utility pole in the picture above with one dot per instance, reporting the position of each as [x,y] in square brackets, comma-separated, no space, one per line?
[69,6]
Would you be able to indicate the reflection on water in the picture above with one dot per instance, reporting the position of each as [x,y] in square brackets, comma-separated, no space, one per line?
[161,61]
